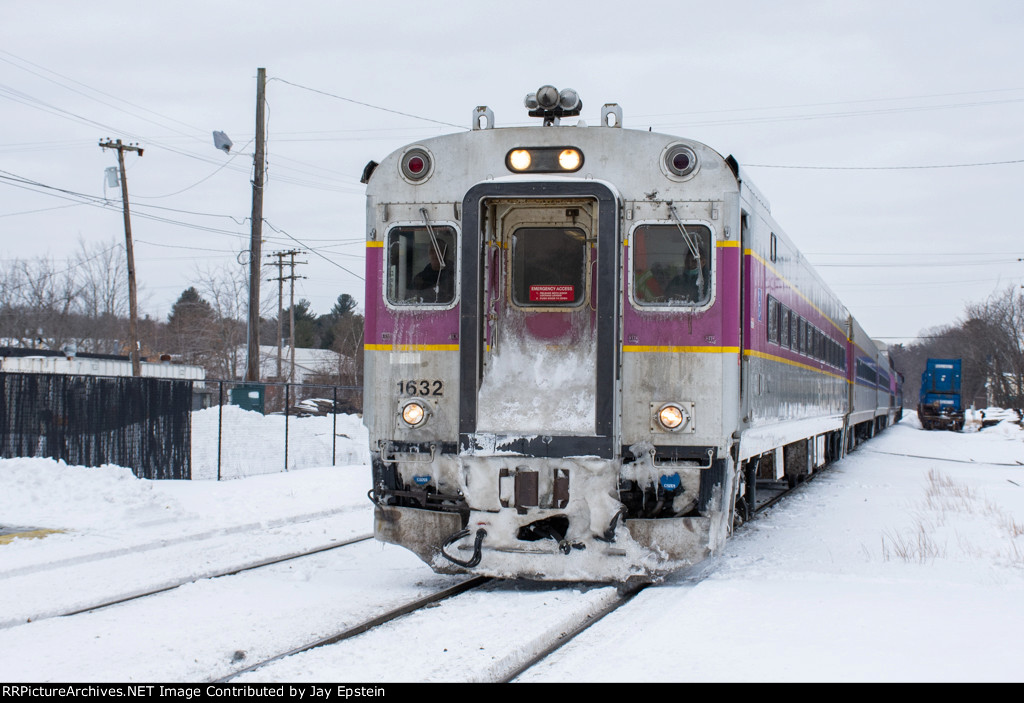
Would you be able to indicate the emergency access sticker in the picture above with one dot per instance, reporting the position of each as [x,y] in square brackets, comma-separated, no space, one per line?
[552,294]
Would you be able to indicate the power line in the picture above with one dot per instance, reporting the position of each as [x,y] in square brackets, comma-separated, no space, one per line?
[36,103]
[26,99]
[833,115]
[374,107]
[182,246]
[202,180]
[314,251]
[831,103]
[886,168]
[44,209]
[100,92]
[918,264]
[96,201]
[17,181]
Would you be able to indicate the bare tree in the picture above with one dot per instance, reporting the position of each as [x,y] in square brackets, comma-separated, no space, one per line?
[348,342]
[227,289]
[989,339]
[38,303]
[103,301]
[995,332]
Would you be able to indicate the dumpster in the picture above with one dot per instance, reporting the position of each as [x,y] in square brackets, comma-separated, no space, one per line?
[248,397]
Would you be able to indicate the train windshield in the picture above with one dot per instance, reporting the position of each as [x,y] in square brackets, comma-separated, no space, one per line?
[670,268]
[421,265]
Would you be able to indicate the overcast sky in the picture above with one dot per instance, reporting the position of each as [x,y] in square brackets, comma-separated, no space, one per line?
[852,89]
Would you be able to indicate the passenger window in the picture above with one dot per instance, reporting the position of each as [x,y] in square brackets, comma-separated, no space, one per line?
[670,268]
[421,266]
[549,266]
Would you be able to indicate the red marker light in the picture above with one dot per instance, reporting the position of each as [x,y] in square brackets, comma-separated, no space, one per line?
[416,164]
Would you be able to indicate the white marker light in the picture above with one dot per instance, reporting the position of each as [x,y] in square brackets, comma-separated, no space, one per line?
[520,159]
[569,159]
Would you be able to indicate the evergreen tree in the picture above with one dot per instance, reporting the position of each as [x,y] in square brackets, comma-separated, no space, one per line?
[191,325]
[342,307]
[189,305]
[305,325]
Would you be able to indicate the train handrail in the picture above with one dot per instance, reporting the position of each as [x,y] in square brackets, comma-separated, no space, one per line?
[670,464]
[385,451]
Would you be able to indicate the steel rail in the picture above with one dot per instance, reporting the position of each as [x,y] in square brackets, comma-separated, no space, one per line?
[418,604]
[213,575]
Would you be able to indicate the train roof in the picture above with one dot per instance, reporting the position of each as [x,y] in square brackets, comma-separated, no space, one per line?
[630,158]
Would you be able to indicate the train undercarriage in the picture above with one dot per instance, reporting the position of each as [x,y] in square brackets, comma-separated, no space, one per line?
[576,518]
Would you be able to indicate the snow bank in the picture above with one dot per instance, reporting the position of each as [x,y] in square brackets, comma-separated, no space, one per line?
[110,499]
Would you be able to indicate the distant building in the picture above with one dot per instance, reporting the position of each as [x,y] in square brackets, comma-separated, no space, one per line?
[311,365]
[46,361]
[21,360]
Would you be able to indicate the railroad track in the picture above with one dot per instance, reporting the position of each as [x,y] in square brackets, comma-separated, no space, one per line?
[192,578]
[557,628]
[393,614]
[770,493]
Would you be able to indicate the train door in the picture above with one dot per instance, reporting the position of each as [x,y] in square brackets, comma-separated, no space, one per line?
[540,335]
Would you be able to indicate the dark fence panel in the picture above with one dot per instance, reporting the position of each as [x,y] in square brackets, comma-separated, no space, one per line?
[139,423]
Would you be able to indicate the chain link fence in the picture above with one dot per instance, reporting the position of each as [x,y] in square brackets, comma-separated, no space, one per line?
[245,429]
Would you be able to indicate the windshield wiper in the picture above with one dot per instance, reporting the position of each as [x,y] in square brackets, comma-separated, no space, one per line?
[690,244]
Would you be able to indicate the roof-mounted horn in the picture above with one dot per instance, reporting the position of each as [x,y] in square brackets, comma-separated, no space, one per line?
[551,104]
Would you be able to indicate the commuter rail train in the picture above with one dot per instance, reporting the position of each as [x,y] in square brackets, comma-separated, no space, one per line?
[585,345]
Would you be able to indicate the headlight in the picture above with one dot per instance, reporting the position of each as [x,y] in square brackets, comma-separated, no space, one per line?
[414,413]
[544,159]
[519,159]
[672,416]
[569,159]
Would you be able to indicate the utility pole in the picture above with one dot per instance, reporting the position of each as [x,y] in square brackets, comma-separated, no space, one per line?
[281,278]
[252,372]
[133,308]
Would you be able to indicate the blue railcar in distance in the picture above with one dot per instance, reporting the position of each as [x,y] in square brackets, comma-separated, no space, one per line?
[940,405]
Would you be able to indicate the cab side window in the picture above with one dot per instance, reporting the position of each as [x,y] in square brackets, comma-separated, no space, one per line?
[421,265]
[671,267]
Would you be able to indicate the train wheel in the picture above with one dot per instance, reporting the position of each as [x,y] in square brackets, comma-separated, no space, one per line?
[741,514]
[750,485]
[744,503]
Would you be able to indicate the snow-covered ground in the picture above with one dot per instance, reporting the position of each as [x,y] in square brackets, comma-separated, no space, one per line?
[903,562]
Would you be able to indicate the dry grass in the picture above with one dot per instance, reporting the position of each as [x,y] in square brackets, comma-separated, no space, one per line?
[1015,528]
[918,547]
[946,499]
[943,494]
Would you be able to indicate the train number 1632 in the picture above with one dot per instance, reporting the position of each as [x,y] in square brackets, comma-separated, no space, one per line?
[423,387]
